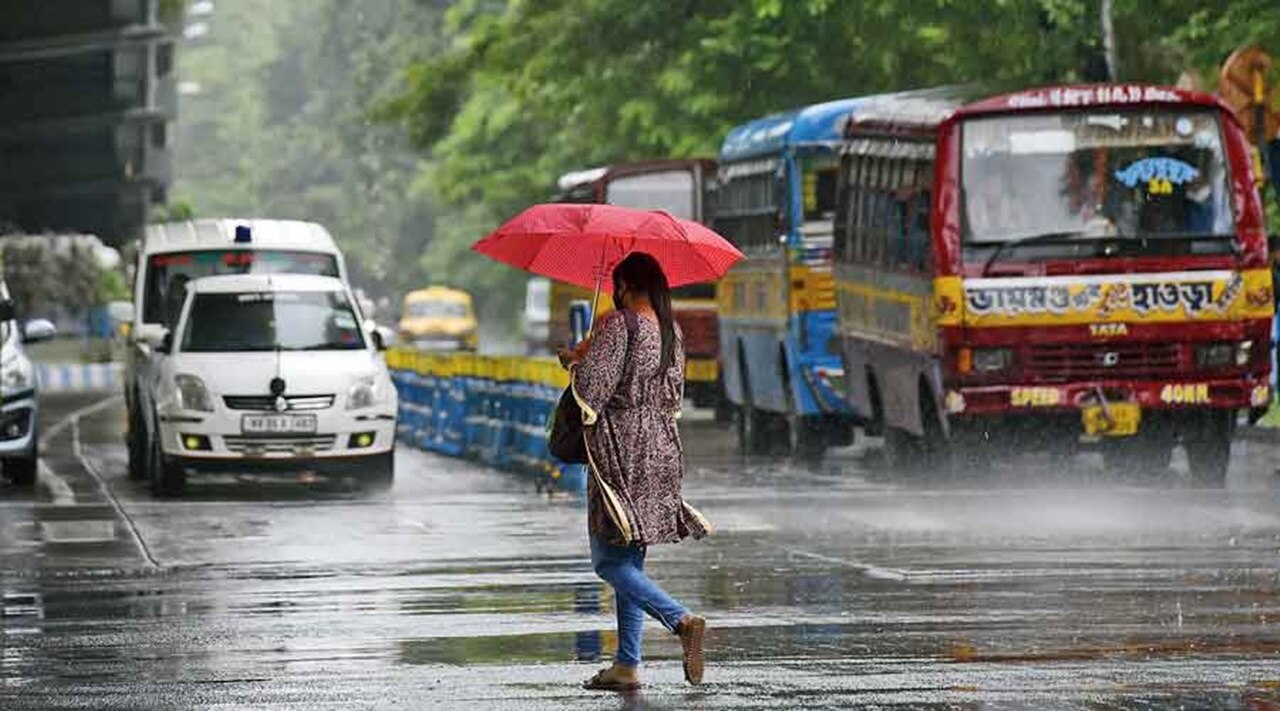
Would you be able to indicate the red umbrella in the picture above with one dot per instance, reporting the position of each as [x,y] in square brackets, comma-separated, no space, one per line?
[580,244]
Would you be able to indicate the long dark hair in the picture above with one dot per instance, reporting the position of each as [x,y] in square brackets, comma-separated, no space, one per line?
[641,272]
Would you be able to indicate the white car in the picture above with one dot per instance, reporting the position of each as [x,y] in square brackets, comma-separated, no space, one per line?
[19,407]
[271,373]
[172,254]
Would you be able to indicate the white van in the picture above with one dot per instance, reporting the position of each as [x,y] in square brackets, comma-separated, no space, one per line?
[175,253]
[271,373]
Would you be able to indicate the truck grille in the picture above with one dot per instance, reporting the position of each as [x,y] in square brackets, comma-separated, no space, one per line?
[267,403]
[1060,362]
[260,444]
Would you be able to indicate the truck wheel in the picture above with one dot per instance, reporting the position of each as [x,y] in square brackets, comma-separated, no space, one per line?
[167,477]
[1208,445]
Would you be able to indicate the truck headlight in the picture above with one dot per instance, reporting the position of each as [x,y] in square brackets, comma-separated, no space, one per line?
[192,394]
[364,393]
[990,360]
[1215,355]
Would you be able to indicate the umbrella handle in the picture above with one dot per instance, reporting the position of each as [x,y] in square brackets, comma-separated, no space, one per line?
[595,303]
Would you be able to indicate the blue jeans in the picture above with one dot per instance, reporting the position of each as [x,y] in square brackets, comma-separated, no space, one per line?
[634,594]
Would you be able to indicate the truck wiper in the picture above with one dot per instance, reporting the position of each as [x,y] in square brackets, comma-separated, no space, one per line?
[1042,238]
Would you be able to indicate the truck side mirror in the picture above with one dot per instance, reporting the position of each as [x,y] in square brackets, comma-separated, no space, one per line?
[7,311]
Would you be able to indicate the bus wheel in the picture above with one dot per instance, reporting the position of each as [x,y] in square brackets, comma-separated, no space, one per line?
[806,437]
[938,453]
[723,406]
[753,429]
[971,448]
[902,451]
[753,434]
[1208,444]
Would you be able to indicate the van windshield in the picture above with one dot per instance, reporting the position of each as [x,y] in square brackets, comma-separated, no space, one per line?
[168,273]
[272,320]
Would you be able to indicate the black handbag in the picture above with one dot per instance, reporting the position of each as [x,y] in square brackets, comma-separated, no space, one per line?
[566,440]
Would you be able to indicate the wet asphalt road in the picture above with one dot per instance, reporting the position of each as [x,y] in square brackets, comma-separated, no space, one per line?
[1041,584]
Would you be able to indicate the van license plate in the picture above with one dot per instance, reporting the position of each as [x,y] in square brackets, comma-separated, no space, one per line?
[278,424]
[1123,421]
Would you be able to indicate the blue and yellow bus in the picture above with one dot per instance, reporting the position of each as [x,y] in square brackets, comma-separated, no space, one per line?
[775,199]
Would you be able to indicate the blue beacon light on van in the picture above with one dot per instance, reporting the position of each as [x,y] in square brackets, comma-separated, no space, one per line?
[244,235]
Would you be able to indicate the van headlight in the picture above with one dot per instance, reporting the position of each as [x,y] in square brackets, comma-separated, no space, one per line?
[364,393]
[18,375]
[192,394]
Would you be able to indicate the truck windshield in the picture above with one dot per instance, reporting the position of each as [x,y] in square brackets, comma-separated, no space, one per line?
[1117,174]
[272,320]
[168,273]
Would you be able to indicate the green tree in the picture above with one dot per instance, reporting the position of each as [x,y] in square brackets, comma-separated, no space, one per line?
[281,126]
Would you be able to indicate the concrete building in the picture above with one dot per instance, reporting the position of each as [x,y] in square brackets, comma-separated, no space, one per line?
[87,92]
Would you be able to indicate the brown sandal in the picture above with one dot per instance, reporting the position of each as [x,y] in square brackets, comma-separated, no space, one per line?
[692,630]
[602,681]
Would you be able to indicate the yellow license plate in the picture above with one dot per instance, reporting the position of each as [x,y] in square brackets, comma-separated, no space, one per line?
[1119,419]
[701,371]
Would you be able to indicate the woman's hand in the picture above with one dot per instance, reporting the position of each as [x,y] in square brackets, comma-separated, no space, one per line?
[569,356]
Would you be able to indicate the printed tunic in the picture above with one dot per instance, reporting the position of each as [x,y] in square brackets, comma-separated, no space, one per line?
[629,413]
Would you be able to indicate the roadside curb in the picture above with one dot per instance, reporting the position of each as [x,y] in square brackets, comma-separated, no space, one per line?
[78,377]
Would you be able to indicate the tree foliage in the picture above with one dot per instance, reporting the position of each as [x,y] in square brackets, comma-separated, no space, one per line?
[531,88]
[412,127]
[281,126]
[50,272]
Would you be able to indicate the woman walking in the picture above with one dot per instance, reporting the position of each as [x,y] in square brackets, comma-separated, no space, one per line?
[629,381]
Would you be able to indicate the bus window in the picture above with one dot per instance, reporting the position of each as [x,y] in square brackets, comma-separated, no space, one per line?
[819,192]
[670,190]
[864,210]
[747,208]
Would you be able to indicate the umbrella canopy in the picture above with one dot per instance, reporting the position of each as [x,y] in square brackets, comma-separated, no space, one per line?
[580,244]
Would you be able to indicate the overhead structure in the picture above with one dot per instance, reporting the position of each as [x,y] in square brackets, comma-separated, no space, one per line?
[87,92]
